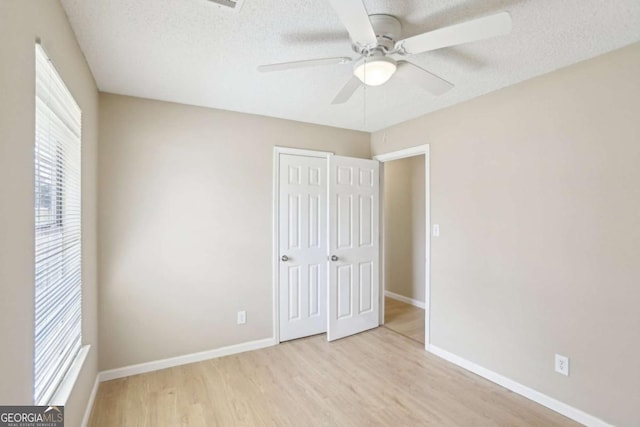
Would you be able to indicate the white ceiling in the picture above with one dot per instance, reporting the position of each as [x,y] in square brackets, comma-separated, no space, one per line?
[194,52]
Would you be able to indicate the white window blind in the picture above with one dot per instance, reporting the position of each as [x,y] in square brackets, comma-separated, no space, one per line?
[57,230]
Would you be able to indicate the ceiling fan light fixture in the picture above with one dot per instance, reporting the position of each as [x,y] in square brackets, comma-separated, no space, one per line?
[375,70]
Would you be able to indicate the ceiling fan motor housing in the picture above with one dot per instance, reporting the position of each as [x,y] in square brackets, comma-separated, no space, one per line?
[375,67]
[387,29]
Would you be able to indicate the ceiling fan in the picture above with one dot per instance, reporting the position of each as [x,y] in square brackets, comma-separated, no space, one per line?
[376,38]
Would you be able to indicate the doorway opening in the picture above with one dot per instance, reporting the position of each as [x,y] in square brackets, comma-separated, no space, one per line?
[405,243]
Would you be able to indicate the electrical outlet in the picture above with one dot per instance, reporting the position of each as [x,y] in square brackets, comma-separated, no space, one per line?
[242,317]
[562,365]
[436,230]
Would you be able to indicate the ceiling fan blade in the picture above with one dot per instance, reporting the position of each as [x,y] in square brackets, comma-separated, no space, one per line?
[303,64]
[347,90]
[422,78]
[354,16]
[470,31]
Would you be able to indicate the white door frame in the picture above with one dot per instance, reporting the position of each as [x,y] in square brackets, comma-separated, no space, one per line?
[396,155]
[275,253]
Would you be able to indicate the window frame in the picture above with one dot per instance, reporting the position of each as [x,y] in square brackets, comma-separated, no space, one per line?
[58,341]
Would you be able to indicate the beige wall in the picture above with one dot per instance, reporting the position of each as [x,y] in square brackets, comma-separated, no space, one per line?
[21,22]
[185,224]
[537,192]
[404,227]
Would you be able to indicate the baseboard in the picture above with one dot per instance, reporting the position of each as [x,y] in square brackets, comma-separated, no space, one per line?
[157,365]
[402,298]
[531,394]
[92,398]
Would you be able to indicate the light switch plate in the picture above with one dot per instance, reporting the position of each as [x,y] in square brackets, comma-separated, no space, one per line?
[242,317]
[436,230]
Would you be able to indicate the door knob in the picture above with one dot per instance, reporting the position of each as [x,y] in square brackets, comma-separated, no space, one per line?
[284,258]
[334,257]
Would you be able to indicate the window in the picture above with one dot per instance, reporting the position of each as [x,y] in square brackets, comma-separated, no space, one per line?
[58,282]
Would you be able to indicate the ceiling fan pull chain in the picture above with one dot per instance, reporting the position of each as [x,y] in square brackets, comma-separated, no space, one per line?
[364,101]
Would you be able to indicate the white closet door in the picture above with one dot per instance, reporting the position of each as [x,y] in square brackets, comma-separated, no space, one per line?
[353,293]
[303,246]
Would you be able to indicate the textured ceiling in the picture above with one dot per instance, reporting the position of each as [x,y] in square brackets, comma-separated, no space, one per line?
[195,52]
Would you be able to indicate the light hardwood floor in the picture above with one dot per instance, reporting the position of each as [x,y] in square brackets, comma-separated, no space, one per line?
[375,378]
[404,319]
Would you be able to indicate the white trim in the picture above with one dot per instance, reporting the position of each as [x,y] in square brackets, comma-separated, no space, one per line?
[381,268]
[157,365]
[92,398]
[62,393]
[274,246]
[301,152]
[401,154]
[397,155]
[531,394]
[275,251]
[427,250]
[398,297]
